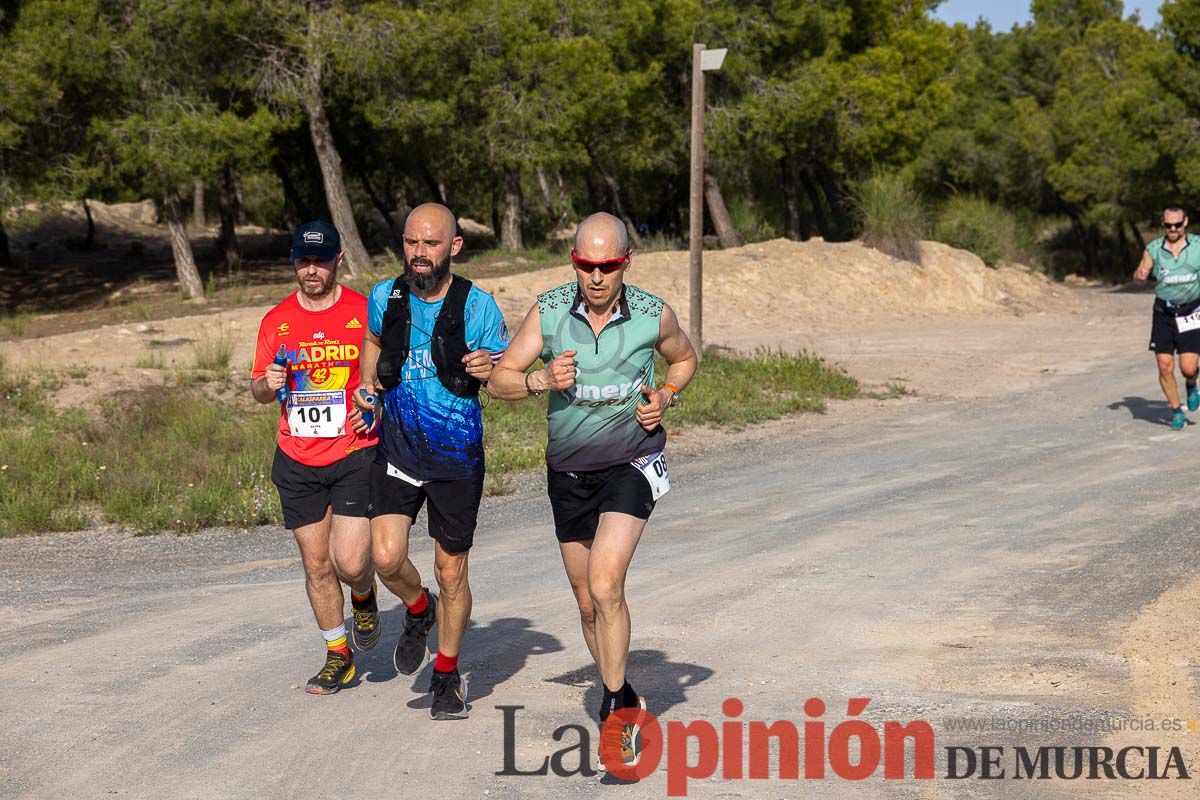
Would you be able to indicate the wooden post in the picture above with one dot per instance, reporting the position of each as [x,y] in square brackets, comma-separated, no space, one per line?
[696,205]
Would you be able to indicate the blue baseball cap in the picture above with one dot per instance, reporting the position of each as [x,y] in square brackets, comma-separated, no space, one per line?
[317,238]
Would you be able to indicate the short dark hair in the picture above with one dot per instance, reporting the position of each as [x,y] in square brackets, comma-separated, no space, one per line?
[1180,209]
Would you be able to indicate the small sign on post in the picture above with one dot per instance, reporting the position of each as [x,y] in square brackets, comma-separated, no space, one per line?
[711,60]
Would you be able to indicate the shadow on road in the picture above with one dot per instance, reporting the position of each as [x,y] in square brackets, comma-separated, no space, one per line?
[492,654]
[664,683]
[1154,411]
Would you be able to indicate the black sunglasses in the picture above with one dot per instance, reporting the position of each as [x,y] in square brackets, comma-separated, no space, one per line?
[1173,225]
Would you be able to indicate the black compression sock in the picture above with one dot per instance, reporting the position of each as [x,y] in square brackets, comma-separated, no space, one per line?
[609,703]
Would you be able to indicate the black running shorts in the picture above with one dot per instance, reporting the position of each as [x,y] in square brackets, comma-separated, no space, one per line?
[1164,332]
[307,492]
[453,505]
[579,498]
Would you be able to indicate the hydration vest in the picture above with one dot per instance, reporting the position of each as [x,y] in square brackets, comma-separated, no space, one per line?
[448,342]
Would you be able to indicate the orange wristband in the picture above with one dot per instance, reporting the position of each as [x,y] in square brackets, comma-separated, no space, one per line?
[674,389]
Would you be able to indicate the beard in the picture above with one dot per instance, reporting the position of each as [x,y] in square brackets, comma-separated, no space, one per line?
[425,281]
[317,287]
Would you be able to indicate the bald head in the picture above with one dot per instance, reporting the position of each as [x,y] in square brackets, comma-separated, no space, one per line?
[430,242]
[431,218]
[601,236]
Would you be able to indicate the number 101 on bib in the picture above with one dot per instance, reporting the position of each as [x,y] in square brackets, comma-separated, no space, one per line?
[317,415]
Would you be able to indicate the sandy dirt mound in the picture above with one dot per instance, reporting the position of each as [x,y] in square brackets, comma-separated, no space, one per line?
[778,287]
[777,293]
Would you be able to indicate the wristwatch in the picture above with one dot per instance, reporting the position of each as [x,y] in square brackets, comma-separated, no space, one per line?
[533,392]
[674,394]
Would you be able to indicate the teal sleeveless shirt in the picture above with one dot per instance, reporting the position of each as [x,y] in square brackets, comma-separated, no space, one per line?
[593,425]
[1177,280]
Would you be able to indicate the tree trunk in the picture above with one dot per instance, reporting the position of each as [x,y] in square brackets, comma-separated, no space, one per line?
[198,206]
[514,212]
[357,260]
[726,233]
[1093,248]
[6,259]
[615,191]
[90,241]
[797,230]
[295,210]
[818,207]
[564,202]
[1085,235]
[181,248]
[403,207]
[239,204]
[437,190]
[673,203]
[495,203]
[384,210]
[226,203]
[1139,243]
[836,199]
[545,186]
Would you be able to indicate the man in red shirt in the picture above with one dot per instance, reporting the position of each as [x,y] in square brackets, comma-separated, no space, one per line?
[321,466]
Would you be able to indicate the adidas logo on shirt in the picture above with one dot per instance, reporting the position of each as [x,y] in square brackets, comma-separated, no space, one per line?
[353,323]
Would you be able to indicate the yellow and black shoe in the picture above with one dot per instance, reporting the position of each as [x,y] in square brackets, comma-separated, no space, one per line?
[631,736]
[367,625]
[627,737]
[337,672]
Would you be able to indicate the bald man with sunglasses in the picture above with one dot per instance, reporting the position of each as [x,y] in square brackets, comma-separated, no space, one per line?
[1173,260]
[597,337]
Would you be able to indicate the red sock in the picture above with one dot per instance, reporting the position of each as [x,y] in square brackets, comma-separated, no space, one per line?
[337,644]
[419,606]
[445,663]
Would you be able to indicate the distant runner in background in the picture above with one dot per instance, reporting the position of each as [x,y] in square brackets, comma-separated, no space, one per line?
[1173,260]
[307,361]
[605,468]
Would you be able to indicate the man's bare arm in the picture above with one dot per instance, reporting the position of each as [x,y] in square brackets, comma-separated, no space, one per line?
[1144,266]
[677,349]
[508,376]
[263,387]
[368,360]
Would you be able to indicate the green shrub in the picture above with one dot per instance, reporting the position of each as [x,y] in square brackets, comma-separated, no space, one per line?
[179,459]
[213,354]
[750,222]
[891,216]
[972,223]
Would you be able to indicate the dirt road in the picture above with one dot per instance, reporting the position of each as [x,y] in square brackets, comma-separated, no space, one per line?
[1017,542]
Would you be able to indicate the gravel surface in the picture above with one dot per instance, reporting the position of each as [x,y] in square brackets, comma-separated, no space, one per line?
[996,557]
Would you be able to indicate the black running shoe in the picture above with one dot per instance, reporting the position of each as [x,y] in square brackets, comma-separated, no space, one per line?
[449,696]
[367,625]
[410,650]
[337,672]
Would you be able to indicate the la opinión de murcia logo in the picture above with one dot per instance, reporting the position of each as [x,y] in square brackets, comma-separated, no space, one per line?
[852,750]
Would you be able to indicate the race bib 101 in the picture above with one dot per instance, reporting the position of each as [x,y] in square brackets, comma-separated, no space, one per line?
[317,415]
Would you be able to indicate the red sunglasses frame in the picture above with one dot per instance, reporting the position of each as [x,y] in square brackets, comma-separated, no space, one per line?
[607,266]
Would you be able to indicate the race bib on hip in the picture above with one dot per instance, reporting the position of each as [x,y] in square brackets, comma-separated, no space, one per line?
[396,472]
[317,415]
[655,469]
[1189,323]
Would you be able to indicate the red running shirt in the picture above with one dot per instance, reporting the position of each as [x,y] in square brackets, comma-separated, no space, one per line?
[323,349]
